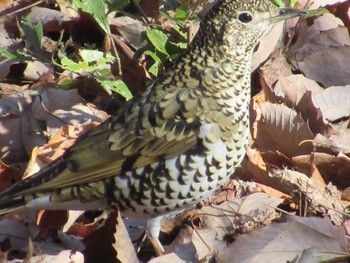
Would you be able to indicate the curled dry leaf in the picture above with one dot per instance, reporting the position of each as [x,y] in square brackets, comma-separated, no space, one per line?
[334,102]
[319,198]
[231,190]
[281,129]
[337,143]
[130,29]
[109,242]
[240,215]
[34,70]
[56,146]
[332,168]
[5,66]
[291,89]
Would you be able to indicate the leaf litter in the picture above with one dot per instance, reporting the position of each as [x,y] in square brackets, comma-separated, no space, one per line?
[298,158]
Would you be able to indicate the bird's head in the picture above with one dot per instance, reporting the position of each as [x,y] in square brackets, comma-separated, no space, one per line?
[242,23]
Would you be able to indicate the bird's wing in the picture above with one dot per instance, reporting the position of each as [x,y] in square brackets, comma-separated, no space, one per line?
[148,129]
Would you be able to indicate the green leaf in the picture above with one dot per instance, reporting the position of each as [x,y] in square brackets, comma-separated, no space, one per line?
[98,10]
[153,69]
[316,12]
[67,82]
[99,57]
[118,5]
[158,39]
[293,2]
[179,30]
[279,3]
[170,4]
[103,72]
[181,12]
[7,54]
[116,85]
[75,67]
[34,35]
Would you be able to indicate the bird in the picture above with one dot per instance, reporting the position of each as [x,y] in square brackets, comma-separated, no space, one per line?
[171,146]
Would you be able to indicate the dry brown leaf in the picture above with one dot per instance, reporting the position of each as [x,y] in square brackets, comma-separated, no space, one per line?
[51,219]
[55,147]
[332,168]
[321,51]
[282,242]
[51,99]
[319,199]
[291,89]
[271,191]
[34,70]
[336,143]
[316,175]
[183,246]
[256,166]
[334,102]
[73,215]
[13,127]
[341,140]
[130,28]
[79,115]
[281,129]
[5,65]
[18,232]
[172,257]
[196,245]
[134,75]
[123,244]
[109,242]
[275,68]
[62,256]
[8,176]
[240,215]
[31,132]
[206,245]
[50,19]
[267,45]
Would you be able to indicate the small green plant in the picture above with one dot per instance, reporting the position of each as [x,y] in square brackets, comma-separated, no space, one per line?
[164,45]
[161,43]
[93,63]
[33,50]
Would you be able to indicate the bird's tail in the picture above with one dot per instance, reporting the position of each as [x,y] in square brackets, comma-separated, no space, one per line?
[11,205]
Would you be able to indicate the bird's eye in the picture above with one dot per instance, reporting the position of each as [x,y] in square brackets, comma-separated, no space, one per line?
[245,17]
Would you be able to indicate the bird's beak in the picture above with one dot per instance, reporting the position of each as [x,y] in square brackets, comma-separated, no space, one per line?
[286,13]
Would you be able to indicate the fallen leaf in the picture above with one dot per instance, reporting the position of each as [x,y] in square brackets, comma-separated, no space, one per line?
[281,129]
[282,242]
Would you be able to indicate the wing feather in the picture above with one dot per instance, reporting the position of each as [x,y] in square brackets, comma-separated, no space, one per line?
[144,133]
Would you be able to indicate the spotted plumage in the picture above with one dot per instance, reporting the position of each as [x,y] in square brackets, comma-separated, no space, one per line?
[171,146]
